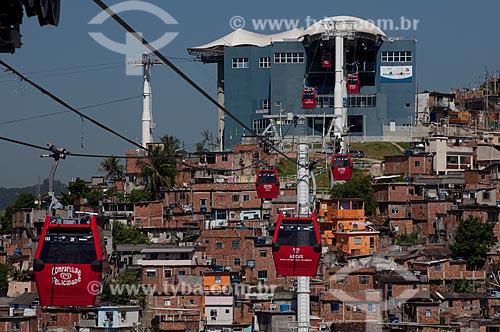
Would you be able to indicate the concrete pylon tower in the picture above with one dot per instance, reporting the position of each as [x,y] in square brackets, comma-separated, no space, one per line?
[148,125]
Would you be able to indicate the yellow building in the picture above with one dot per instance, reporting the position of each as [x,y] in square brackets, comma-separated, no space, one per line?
[343,224]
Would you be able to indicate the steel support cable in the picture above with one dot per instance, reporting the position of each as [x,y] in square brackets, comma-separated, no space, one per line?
[71,108]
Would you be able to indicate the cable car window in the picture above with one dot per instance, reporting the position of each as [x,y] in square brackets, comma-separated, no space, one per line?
[341,162]
[68,246]
[296,233]
[265,177]
[309,95]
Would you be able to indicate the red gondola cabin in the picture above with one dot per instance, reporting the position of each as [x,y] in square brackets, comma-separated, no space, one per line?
[341,166]
[309,98]
[353,83]
[267,183]
[326,60]
[70,262]
[296,246]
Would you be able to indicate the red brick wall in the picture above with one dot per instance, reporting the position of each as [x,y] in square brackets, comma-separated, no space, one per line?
[149,215]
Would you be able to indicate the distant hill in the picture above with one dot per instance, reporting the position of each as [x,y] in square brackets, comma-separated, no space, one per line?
[8,196]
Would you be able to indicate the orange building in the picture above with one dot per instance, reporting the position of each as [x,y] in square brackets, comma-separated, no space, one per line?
[343,223]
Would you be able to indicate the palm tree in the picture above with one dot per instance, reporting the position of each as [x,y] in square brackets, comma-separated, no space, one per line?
[161,168]
[112,167]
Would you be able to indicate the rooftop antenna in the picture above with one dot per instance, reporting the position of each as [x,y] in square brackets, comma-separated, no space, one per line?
[57,154]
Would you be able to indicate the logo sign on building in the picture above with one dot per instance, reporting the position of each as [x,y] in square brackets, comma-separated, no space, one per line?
[396,74]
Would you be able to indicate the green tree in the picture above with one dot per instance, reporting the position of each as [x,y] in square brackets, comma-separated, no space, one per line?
[6,220]
[407,239]
[462,286]
[124,288]
[161,168]
[77,190]
[25,201]
[4,279]
[360,186]
[112,167]
[139,195]
[472,238]
[123,234]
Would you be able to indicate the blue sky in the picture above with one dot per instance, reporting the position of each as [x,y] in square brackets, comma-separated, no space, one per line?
[454,44]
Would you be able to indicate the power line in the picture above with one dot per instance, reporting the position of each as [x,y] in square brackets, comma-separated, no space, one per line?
[60,101]
[179,72]
[62,112]
[69,73]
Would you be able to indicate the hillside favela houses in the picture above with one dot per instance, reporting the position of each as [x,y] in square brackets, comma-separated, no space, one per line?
[409,243]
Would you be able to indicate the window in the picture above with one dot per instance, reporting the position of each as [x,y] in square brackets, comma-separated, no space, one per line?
[218,279]
[289,57]
[182,273]
[263,253]
[167,273]
[213,314]
[203,202]
[417,163]
[397,56]
[72,246]
[239,63]
[219,245]
[265,62]
[372,307]
[153,256]
[235,244]
[15,326]
[486,195]
[428,312]
[394,210]
[182,195]
[227,311]
[363,280]
[237,262]
[262,274]
[362,101]
[437,267]
[167,302]
[236,198]
[407,105]
[357,240]
[224,157]
[265,104]
[150,273]
[246,198]
[340,279]
[191,301]
[335,307]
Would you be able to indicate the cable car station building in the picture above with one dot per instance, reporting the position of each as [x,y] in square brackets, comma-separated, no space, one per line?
[262,79]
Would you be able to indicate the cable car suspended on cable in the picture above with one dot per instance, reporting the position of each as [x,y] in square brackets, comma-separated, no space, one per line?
[309,98]
[267,183]
[70,262]
[341,166]
[296,246]
[326,60]
[352,83]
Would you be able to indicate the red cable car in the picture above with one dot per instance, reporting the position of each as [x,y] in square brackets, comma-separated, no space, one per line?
[296,246]
[341,166]
[309,98]
[70,262]
[326,60]
[267,183]
[352,83]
